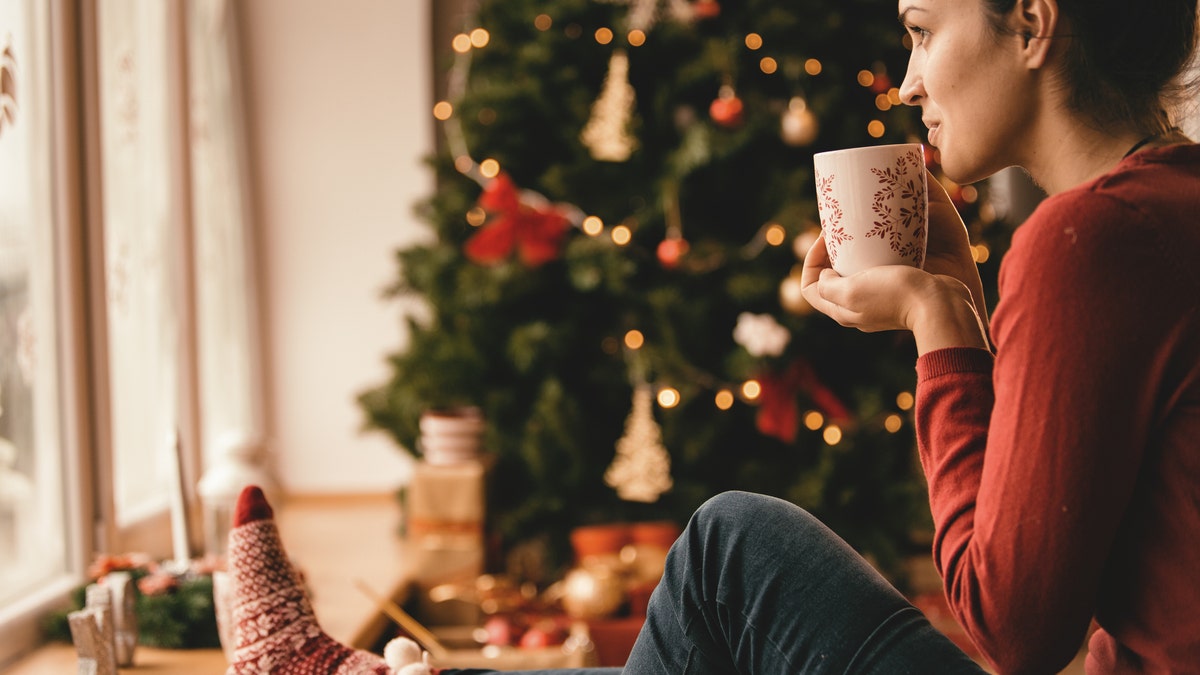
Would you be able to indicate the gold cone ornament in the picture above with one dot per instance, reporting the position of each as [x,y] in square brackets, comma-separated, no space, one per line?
[641,470]
[606,134]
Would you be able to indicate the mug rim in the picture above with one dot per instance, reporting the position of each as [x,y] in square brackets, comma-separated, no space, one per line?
[866,148]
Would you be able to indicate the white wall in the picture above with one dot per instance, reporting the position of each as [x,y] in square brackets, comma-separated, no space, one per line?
[338,105]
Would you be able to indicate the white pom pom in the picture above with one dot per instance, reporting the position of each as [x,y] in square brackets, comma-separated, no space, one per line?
[402,652]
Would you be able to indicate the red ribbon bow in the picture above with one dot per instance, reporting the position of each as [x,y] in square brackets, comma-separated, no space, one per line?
[536,232]
[778,410]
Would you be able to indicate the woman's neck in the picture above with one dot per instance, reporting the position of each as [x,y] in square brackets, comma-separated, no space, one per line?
[1072,154]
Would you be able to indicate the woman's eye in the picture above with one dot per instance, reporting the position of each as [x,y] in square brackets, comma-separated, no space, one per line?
[917,34]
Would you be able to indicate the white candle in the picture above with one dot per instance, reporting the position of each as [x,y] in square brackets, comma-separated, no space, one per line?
[180,539]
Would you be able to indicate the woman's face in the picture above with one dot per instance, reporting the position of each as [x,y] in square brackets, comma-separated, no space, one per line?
[969,85]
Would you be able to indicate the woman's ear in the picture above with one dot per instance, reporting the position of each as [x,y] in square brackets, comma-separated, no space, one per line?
[1037,23]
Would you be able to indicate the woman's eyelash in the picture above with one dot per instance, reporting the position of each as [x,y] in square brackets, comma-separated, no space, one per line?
[916,31]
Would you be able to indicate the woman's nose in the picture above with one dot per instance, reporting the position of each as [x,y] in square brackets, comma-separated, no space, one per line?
[912,89]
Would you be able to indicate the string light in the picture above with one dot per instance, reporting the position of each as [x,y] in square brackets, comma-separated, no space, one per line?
[894,96]
[604,35]
[592,225]
[883,102]
[442,110]
[476,216]
[775,234]
[893,423]
[751,389]
[753,41]
[636,38]
[621,235]
[768,65]
[463,164]
[479,38]
[980,253]
[634,339]
[812,67]
[904,400]
[490,168]
[668,397]
[813,420]
[723,399]
[543,22]
[876,129]
[866,78]
[832,434]
[461,43]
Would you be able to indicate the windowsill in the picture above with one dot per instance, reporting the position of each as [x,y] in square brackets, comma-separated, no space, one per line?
[335,541]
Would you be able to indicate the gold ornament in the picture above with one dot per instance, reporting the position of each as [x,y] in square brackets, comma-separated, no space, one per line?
[798,126]
[790,296]
[641,469]
[606,134]
[592,592]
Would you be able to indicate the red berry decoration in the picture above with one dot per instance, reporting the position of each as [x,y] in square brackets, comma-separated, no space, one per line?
[536,638]
[671,251]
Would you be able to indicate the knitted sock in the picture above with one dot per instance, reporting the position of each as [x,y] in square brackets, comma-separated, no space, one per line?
[275,628]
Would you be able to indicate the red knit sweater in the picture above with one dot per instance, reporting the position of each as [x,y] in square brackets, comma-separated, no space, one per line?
[1064,472]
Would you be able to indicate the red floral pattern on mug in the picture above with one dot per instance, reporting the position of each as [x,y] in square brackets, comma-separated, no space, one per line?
[899,205]
[831,217]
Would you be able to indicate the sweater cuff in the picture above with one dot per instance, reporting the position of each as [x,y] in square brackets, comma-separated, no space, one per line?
[954,360]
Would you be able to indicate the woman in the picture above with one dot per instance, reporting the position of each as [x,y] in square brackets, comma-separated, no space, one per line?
[1061,440]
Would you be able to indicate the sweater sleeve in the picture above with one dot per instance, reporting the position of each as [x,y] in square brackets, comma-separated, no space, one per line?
[1031,457]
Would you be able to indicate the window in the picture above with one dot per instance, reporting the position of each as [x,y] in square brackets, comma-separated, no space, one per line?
[31,489]
[127,320]
[140,200]
[35,556]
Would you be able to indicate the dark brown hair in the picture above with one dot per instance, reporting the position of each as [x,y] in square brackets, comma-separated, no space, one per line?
[1124,64]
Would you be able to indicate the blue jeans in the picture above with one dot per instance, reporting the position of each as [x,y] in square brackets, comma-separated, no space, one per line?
[756,585]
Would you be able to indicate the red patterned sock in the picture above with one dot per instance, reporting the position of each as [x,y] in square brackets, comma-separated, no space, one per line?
[276,630]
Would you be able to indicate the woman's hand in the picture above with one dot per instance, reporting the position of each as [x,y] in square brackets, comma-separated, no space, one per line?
[938,309]
[875,299]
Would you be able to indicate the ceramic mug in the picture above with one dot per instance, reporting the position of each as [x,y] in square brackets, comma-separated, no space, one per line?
[873,206]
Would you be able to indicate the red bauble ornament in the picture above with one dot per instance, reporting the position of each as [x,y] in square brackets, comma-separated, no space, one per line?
[727,110]
[502,630]
[706,9]
[671,251]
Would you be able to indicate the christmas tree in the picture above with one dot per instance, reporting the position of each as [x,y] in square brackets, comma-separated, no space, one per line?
[624,198]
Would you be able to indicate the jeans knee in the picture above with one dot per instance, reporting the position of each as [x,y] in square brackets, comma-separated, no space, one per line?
[739,509]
